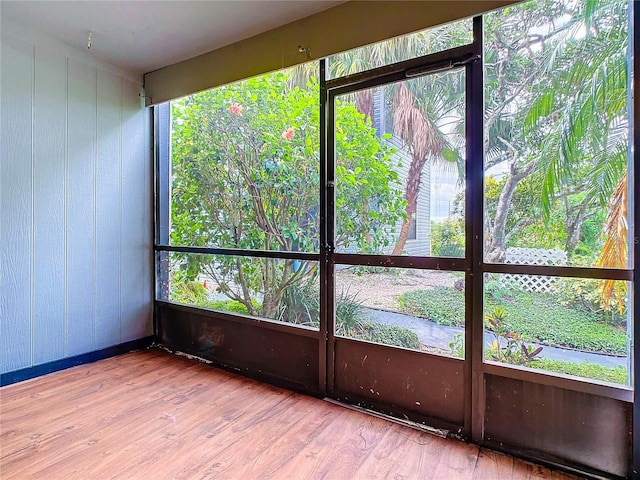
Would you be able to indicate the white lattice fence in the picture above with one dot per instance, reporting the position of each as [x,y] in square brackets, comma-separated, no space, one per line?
[532,256]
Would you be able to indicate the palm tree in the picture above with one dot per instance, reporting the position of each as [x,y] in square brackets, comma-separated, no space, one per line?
[589,145]
[569,134]
[416,107]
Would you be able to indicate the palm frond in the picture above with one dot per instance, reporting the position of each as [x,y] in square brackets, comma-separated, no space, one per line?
[614,253]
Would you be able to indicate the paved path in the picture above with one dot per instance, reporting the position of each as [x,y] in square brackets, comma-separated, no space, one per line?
[441,336]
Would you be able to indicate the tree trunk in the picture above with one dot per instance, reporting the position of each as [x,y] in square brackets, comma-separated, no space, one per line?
[364,103]
[412,190]
[246,294]
[404,234]
[498,241]
[269,306]
[575,219]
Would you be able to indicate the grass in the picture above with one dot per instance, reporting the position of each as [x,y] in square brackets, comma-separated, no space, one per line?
[385,334]
[442,305]
[585,369]
[537,317]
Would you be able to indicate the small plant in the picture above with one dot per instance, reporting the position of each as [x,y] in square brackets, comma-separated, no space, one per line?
[300,305]
[497,290]
[508,346]
[457,346]
[447,238]
[349,312]
[188,292]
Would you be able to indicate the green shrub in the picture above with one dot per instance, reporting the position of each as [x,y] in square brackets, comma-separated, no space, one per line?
[301,302]
[585,369]
[188,292]
[300,305]
[497,290]
[442,305]
[385,334]
[508,346]
[586,295]
[349,311]
[447,238]
[232,306]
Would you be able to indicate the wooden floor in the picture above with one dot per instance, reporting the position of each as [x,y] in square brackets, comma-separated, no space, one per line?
[153,415]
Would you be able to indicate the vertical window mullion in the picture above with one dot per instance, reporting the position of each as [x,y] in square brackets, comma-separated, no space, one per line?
[474,205]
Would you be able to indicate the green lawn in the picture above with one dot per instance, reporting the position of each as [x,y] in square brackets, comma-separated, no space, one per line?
[537,317]
[585,370]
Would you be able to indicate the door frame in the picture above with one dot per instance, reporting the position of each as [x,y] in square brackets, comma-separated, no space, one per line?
[468,57]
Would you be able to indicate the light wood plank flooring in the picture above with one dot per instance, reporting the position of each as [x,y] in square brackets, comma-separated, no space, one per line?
[153,415]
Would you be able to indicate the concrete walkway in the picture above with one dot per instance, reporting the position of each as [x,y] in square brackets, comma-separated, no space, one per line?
[441,336]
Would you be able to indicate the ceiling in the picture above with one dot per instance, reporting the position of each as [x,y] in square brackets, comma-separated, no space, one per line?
[143,36]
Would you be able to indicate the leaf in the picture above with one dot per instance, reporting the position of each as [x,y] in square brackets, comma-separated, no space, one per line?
[449,155]
[535,352]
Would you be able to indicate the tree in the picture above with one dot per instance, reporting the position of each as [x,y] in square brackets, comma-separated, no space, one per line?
[556,96]
[590,145]
[246,176]
[416,107]
[514,59]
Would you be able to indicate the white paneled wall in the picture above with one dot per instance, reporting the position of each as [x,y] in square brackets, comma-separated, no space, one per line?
[75,207]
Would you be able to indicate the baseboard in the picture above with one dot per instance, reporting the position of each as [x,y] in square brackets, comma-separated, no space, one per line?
[64,363]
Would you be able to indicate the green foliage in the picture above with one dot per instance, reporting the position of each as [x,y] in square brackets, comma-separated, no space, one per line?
[508,346]
[540,317]
[556,121]
[442,305]
[301,305]
[188,292]
[585,100]
[584,370]
[368,189]
[586,295]
[448,238]
[457,346]
[385,334]
[231,306]
[497,291]
[245,174]
[537,317]
[349,313]
[524,223]
[194,293]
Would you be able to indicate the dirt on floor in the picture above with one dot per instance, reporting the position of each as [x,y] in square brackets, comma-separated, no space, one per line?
[381,288]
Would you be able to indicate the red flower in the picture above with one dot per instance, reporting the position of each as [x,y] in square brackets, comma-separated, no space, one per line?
[288,133]
[236,109]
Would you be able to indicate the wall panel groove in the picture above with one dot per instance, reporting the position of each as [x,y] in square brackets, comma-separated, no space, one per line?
[65,333]
[32,239]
